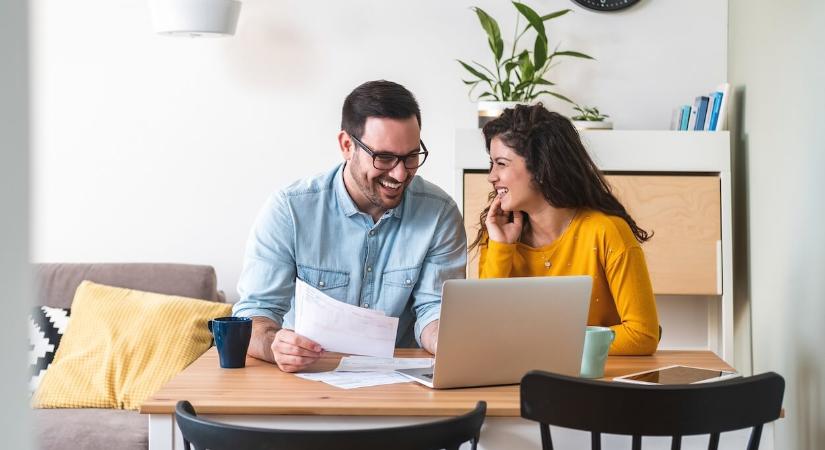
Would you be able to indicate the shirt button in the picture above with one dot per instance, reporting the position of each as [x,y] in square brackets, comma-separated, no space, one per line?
[369,268]
[372,233]
[321,283]
[407,282]
[366,305]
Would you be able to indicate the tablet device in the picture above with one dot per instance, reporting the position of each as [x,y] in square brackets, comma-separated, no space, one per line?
[677,375]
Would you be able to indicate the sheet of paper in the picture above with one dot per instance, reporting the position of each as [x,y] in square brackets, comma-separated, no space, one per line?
[340,327]
[351,380]
[375,364]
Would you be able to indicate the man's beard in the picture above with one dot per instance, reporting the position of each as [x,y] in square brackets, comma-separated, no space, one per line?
[372,189]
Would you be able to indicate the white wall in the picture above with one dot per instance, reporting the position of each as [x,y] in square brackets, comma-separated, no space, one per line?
[781,148]
[150,148]
[14,219]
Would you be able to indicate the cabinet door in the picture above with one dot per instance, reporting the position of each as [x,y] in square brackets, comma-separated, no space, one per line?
[682,210]
[476,193]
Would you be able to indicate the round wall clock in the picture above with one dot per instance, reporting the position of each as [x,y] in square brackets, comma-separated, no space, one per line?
[606,5]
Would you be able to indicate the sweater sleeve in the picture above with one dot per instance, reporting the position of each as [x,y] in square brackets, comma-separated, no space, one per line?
[496,259]
[638,332]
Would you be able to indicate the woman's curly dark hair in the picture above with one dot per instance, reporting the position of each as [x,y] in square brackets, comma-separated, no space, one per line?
[560,167]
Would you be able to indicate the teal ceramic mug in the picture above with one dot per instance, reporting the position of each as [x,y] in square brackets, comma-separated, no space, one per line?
[597,342]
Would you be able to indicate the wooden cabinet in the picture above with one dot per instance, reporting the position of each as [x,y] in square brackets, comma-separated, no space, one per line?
[684,255]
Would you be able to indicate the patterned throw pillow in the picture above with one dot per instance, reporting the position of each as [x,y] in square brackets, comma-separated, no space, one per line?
[46,327]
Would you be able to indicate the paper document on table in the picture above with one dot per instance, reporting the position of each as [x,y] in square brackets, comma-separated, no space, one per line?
[340,327]
[350,380]
[375,364]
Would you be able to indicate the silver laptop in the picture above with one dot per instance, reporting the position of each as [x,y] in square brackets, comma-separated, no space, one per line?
[493,331]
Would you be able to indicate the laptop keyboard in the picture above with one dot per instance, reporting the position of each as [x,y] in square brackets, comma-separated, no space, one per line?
[427,375]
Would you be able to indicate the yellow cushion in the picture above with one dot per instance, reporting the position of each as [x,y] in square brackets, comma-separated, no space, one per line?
[122,345]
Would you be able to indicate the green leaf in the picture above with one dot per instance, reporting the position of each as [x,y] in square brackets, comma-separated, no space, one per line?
[526,66]
[473,71]
[575,54]
[523,84]
[532,17]
[553,15]
[559,96]
[505,90]
[488,95]
[481,66]
[540,52]
[493,33]
[542,81]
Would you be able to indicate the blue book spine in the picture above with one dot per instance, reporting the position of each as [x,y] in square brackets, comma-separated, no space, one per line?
[701,112]
[714,112]
[683,121]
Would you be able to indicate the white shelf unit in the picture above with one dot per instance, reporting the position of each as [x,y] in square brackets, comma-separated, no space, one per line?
[649,152]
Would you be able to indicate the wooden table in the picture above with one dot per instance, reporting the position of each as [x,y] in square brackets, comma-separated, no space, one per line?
[262,395]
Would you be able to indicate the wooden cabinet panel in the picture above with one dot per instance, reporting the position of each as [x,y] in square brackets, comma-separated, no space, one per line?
[683,211]
[476,192]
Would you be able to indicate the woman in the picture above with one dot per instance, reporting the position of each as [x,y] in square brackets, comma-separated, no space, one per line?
[552,213]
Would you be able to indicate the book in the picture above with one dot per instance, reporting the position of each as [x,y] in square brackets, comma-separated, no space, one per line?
[684,117]
[706,126]
[675,118]
[692,121]
[716,100]
[722,122]
[701,106]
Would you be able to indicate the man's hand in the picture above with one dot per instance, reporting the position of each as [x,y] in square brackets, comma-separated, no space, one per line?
[288,350]
[293,352]
[429,337]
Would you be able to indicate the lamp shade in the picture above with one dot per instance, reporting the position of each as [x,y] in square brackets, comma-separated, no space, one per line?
[194,18]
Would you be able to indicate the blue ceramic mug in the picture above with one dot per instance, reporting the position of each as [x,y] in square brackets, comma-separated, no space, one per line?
[232,339]
[597,342]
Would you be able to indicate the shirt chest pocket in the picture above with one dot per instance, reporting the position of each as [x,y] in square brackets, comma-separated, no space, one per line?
[401,278]
[333,282]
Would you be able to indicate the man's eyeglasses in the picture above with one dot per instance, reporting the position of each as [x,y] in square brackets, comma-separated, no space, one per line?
[388,161]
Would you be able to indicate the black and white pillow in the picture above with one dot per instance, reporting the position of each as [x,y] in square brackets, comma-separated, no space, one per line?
[46,327]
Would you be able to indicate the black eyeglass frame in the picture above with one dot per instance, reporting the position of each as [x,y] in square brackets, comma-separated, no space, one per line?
[398,159]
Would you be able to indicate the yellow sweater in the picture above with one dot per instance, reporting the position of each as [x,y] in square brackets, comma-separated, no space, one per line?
[603,247]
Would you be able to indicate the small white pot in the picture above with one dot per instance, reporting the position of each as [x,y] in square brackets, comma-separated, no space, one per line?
[593,125]
[488,111]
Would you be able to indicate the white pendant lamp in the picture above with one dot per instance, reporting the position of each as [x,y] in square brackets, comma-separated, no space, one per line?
[195,18]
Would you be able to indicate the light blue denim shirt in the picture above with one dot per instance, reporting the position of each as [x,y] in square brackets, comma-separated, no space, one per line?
[313,230]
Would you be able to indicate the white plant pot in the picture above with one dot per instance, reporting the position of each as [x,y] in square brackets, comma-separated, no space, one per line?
[593,125]
[488,111]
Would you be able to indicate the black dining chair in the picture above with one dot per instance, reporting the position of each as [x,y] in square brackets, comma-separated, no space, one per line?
[651,410]
[441,434]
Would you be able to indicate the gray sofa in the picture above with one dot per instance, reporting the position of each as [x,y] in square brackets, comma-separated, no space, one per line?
[109,428]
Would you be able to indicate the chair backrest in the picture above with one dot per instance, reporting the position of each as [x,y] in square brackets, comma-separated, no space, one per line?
[642,410]
[447,433]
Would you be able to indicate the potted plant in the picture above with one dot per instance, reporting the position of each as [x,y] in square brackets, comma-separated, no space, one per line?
[522,76]
[589,118]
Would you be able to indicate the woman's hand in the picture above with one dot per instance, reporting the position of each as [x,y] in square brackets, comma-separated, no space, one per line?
[499,227]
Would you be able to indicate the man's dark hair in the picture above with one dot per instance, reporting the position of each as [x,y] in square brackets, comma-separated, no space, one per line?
[380,98]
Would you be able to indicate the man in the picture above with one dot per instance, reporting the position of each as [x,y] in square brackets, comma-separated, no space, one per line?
[369,233]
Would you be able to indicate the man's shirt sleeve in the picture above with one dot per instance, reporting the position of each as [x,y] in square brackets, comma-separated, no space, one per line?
[446,259]
[267,282]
